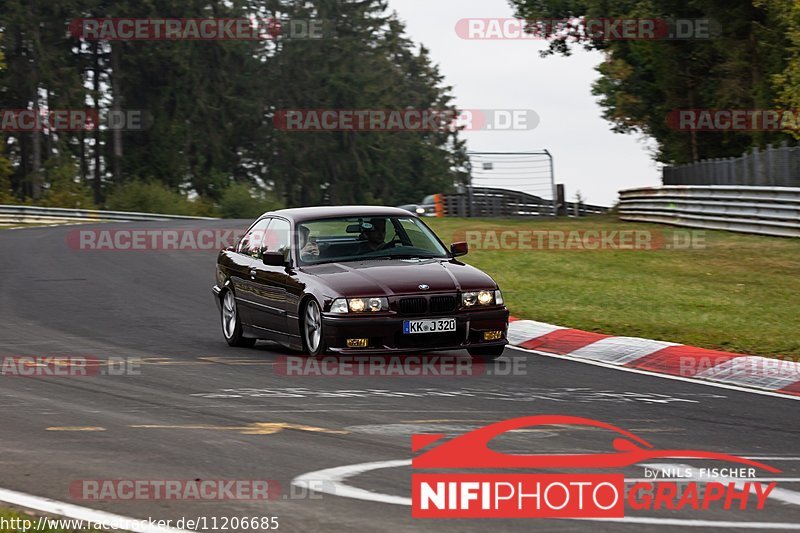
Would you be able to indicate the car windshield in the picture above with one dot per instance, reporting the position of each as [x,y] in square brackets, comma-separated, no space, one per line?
[362,238]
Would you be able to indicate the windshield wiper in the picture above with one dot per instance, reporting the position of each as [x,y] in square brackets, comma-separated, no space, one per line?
[374,258]
[398,256]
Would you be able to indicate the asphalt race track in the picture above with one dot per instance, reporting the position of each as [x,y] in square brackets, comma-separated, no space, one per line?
[197,409]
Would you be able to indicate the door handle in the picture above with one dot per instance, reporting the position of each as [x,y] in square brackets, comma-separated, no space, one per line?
[253,273]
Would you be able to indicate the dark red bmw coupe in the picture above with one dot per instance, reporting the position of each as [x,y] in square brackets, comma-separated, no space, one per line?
[356,279]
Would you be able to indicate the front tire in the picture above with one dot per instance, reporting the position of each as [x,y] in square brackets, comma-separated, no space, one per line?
[486,353]
[231,324]
[313,333]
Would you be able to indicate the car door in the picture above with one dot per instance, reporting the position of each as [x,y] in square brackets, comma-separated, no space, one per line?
[243,275]
[271,282]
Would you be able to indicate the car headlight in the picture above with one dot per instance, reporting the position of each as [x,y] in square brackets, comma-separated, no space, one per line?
[359,305]
[420,210]
[339,306]
[489,297]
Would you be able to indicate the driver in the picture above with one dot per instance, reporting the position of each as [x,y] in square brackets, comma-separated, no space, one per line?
[372,238]
[309,250]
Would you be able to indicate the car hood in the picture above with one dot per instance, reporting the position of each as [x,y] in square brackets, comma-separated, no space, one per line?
[398,276]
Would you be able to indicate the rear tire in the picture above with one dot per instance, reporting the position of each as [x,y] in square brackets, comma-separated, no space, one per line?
[486,353]
[231,324]
[313,332]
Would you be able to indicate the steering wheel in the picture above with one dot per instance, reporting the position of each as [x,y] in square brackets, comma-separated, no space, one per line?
[391,244]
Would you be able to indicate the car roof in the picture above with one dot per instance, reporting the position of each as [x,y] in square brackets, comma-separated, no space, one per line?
[300,214]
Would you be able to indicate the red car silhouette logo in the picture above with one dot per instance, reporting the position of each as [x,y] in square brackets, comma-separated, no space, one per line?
[471,449]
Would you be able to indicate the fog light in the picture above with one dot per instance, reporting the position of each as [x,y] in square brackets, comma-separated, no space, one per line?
[492,335]
[357,343]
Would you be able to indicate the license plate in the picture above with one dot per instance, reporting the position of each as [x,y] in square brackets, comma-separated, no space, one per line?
[438,325]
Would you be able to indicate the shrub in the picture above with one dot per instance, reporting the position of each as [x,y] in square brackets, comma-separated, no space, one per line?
[6,195]
[63,189]
[240,201]
[148,197]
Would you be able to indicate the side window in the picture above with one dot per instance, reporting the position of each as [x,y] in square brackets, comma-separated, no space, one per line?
[252,241]
[277,237]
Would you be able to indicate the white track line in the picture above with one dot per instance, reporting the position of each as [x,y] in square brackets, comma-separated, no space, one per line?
[331,481]
[76,512]
[657,375]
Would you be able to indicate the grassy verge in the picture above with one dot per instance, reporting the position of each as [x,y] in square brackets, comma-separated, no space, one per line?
[739,293]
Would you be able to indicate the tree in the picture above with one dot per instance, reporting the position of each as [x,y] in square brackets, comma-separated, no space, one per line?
[641,81]
[366,63]
[6,196]
[211,105]
[787,82]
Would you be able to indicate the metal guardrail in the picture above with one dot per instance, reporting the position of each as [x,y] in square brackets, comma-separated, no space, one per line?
[772,167]
[762,210]
[26,214]
[494,202]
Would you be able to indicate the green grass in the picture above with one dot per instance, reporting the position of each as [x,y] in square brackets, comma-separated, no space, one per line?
[740,293]
[12,226]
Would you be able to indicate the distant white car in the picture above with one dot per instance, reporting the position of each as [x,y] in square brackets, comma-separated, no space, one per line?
[426,209]
[413,208]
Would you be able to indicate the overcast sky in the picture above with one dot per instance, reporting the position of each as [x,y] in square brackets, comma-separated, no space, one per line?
[511,75]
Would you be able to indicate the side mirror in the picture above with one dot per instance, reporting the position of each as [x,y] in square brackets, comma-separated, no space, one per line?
[459,248]
[275,259]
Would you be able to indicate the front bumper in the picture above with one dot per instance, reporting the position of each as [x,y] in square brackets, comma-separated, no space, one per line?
[385,333]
